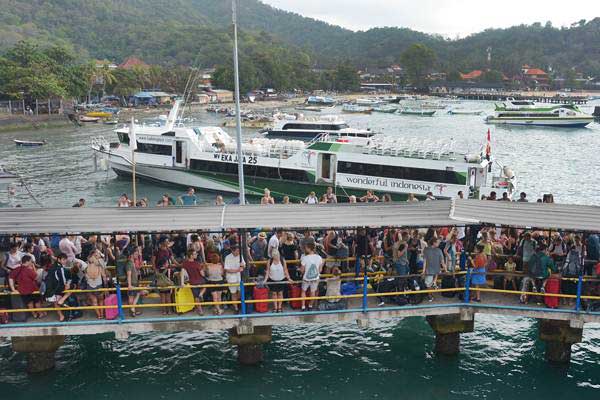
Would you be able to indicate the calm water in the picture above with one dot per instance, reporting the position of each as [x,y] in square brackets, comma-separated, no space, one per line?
[391,359]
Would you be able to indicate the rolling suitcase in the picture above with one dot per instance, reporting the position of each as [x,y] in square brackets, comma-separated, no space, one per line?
[552,286]
[295,293]
[261,294]
[111,313]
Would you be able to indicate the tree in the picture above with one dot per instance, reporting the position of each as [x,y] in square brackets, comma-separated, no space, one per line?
[346,77]
[492,76]
[418,61]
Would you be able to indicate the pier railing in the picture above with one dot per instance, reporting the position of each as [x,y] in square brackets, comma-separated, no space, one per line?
[361,298]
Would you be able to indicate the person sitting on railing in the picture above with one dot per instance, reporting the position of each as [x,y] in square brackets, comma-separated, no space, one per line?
[311,265]
[23,282]
[213,271]
[510,266]
[276,275]
[478,278]
[433,264]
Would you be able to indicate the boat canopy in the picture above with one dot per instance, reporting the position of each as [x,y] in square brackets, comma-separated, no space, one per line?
[19,221]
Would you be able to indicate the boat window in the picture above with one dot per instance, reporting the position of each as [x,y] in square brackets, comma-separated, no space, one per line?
[171,133]
[413,174]
[152,148]
[123,138]
[250,171]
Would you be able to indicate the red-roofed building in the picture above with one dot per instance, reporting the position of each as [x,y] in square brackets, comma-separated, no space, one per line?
[471,76]
[132,62]
[534,75]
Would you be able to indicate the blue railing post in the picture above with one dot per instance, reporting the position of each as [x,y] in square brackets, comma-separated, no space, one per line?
[119,302]
[463,266]
[364,298]
[243,296]
[579,286]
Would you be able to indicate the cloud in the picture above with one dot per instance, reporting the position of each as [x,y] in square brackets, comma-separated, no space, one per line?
[446,17]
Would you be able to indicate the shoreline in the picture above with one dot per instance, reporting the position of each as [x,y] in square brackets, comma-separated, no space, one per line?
[14,123]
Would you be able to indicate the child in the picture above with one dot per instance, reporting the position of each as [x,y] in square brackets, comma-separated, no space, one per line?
[334,284]
[510,267]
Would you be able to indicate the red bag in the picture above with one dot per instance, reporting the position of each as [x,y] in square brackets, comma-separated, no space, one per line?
[3,316]
[552,286]
[295,293]
[598,269]
[261,294]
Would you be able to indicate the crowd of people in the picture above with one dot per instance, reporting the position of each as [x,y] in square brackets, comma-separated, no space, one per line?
[42,269]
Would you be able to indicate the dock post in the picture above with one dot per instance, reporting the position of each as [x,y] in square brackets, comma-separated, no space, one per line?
[40,351]
[447,330]
[249,341]
[579,287]
[120,303]
[559,336]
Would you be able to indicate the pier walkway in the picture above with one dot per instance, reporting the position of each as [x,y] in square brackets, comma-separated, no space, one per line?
[249,330]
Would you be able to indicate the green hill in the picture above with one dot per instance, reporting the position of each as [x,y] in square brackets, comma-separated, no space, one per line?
[182,31]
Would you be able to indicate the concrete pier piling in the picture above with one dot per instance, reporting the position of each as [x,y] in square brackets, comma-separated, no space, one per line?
[249,341]
[447,330]
[40,351]
[559,336]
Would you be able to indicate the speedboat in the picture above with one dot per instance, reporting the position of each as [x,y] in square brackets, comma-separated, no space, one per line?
[465,112]
[309,129]
[413,111]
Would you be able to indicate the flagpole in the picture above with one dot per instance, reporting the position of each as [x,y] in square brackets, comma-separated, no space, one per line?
[238,118]
[133,146]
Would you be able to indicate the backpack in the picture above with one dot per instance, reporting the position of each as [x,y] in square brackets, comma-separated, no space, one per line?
[535,266]
[312,273]
[572,266]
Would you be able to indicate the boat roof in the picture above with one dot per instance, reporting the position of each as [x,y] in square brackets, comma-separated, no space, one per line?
[20,221]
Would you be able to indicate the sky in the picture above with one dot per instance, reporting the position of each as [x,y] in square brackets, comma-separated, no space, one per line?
[450,18]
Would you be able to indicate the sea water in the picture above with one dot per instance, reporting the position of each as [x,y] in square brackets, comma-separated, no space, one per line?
[392,359]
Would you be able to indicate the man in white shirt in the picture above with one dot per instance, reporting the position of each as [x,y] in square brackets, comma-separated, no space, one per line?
[234,265]
[274,243]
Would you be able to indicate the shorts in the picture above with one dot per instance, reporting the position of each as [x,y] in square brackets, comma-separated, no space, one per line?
[401,269]
[53,299]
[196,292]
[30,298]
[276,286]
[214,289]
[312,285]
[234,289]
[429,281]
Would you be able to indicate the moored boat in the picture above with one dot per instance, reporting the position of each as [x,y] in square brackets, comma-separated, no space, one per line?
[356,109]
[308,129]
[320,101]
[385,109]
[84,118]
[206,158]
[465,112]
[413,111]
[29,143]
[527,113]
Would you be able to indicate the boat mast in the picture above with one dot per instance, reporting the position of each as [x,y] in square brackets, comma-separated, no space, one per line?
[238,117]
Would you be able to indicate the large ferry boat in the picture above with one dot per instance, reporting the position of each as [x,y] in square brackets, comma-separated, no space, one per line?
[308,129]
[529,113]
[206,158]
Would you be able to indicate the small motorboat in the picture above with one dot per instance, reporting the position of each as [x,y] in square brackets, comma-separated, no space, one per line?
[465,112]
[356,109]
[29,143]
[111,122]
[84,118]
[385,109]
[421,113]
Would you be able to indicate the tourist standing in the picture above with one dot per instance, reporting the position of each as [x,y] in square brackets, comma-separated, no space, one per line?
[267,198]
[23,282]
[189,198]
[433,259]
[311,265]
[195,273]
[276,274]
[234,265]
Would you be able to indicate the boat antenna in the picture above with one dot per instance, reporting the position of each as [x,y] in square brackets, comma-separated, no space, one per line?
[238,118]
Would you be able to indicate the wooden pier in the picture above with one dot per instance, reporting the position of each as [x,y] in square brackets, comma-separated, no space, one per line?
[502,96]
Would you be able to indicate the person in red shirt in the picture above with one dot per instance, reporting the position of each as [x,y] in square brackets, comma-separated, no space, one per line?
[195,273]
[23,281]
